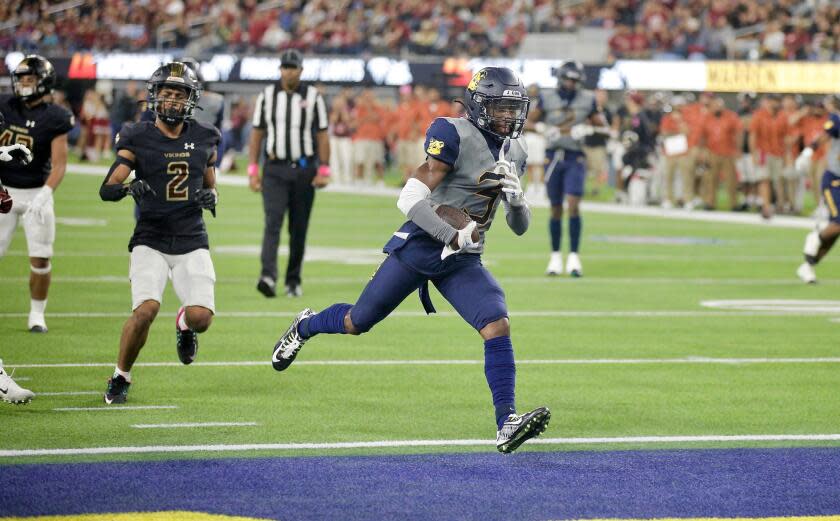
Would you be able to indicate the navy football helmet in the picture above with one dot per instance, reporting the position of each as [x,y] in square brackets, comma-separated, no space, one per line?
[175,75]
[572,71]
[44,73]
[497,102]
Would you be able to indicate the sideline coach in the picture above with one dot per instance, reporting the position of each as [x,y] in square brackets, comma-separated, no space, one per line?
[292,119]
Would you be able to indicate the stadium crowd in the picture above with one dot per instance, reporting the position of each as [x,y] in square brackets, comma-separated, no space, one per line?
[678,29]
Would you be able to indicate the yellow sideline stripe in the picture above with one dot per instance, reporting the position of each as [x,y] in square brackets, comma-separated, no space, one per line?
[137,516]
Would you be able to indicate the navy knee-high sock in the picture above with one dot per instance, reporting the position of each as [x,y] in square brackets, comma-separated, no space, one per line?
[330,320]
[575,227]
[500,370]
[555,228]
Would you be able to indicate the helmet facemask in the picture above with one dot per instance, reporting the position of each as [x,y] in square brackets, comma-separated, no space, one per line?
[501,116]
[42,76]
[173,103]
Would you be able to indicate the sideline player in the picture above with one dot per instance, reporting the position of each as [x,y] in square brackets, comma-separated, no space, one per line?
[468,167]
[175,178]
[41,127]
[570,113]
[819,242]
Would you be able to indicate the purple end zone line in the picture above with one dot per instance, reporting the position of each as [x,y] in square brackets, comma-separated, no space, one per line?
[487,486]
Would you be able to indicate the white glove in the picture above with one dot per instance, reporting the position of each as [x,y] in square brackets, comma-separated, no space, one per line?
[511,186]
[465,242]
[40,204]
[552,134]
[580,131]
[16,151]
[803,161]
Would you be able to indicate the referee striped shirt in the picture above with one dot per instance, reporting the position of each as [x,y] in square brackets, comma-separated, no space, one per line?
[290,120]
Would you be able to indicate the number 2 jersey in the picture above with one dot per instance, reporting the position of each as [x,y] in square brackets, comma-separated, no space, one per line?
[170,221]
[34,128]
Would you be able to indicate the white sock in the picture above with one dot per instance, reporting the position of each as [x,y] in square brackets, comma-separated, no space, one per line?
[182,321]
[124,374]
[37,306]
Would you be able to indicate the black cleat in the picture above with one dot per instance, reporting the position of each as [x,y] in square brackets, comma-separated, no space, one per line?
[517,429]
[186,341]
[117,391]
[38,329]
[294,290]
[266,286]
[287,348]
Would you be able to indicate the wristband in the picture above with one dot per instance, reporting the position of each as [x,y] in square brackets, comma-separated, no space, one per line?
[253,170]
[324,170]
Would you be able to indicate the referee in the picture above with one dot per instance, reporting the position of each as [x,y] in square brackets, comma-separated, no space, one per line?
[292,119]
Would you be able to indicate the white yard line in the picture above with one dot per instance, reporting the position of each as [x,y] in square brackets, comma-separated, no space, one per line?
[115,408]
[191,425]
[68,393]
[696,360]
[414,443]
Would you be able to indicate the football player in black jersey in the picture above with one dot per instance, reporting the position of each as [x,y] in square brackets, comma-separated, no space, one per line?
[41,127]
[173,160]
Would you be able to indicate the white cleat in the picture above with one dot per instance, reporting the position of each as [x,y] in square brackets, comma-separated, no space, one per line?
[555,264]
[10,391]
[573,265]
[36,323]
[806,273]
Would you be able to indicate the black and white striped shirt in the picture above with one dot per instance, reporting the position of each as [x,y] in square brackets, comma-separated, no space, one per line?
[290,120]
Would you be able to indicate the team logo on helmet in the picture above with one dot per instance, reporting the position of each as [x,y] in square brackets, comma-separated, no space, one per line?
[477,77]
[435,147]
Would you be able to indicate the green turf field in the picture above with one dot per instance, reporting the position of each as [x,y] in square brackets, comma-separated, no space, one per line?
[628,351]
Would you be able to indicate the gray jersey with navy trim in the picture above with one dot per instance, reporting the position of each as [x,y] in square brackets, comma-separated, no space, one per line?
[832,127]
[471,184]
[558,110]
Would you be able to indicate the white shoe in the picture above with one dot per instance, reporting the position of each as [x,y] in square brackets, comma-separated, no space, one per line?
[573,265]
[555,264]
[36,323]
[806,273]
[10,391]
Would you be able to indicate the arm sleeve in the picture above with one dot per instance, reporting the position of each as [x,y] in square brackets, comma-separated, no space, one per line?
[518,217]
[423,216]
[443,141]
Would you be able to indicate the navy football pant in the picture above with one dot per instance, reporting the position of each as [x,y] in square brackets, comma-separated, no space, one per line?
[469,287]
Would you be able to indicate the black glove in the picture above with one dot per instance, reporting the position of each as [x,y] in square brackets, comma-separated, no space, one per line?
[207,198]
[139,188]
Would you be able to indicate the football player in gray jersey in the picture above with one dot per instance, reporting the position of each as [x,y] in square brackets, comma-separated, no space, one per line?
[819,241]
[472,164]
[570,114]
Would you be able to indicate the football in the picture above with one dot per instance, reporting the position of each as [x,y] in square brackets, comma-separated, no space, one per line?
[457,218]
